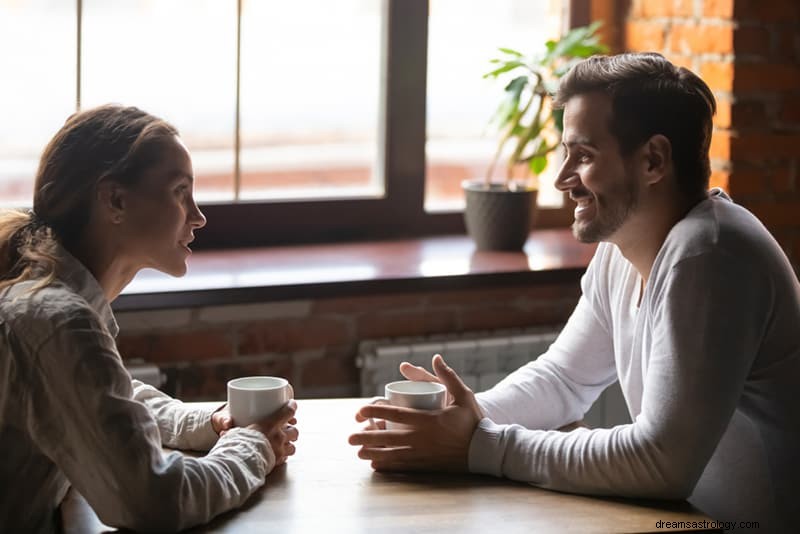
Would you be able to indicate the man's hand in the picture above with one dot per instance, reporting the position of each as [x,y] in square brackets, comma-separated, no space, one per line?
[435,440]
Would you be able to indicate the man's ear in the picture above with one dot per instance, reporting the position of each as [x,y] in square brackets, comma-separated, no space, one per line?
[112,200]
[657,158]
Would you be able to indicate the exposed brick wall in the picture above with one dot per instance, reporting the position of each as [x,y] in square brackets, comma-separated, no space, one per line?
[748,51]
[314,343]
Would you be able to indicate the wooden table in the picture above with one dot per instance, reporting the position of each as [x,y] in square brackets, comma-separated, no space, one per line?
[326,488]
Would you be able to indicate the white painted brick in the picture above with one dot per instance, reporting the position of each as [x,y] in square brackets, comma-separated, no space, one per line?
[153,320]
[488,381]
[422,353]
[255,312]
[471,381]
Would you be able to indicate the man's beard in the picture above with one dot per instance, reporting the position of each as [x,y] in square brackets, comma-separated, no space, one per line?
[612,209]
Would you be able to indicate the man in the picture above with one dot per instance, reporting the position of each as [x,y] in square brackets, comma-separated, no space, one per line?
[688,302]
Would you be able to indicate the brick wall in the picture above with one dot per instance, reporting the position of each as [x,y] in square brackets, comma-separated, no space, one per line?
[314,343]
[748,51]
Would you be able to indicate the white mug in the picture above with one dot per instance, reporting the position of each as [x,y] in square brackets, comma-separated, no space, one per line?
[412,394]
[252,398]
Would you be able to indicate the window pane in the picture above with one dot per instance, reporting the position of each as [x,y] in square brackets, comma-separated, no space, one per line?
[37,91]
[463,36]
[310,85]
[176,59]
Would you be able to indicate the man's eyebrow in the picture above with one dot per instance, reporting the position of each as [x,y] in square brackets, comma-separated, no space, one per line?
[585,141]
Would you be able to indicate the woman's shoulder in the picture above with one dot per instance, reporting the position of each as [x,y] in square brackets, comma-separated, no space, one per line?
[39,311]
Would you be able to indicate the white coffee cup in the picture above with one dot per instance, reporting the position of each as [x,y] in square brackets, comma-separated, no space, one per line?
[252,398]
[412,394]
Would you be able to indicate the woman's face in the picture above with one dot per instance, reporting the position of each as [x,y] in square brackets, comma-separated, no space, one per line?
[161,214]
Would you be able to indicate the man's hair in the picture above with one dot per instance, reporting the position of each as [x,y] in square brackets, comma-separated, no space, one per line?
[649,96]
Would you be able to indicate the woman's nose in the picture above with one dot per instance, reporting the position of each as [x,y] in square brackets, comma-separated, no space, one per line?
[196,217]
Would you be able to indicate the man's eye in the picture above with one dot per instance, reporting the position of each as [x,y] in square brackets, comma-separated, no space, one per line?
[584,158]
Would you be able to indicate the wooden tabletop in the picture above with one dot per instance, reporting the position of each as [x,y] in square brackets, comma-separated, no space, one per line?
[326,488]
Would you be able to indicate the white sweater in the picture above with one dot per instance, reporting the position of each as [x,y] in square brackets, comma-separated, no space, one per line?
[70,414]
[709,363]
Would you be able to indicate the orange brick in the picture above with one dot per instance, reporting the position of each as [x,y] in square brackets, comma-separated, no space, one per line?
[757,146]
[377,325]
[767,11]
[645,36]
[287,335]
[495,317]
[752,40]
[178,346]
[748,114]
[369,303]
[746,183]
[719,179]
[777,215]
[694,38]
[782,180]
[681,60]
[766,77]
[718,9]
[718,75]
[668,8]
[722,118]
[790,109]
[208,382]
[720,145]
[334,369]
[636,9]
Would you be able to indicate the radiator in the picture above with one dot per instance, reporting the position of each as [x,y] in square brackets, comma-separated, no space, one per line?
[481,359]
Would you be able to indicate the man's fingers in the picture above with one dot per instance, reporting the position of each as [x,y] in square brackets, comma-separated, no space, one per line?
[389,458]
[292,433]
[407,416]
[380,438]
[416,373]
[451,380]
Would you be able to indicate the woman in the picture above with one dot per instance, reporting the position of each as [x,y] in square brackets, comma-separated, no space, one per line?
[113,195]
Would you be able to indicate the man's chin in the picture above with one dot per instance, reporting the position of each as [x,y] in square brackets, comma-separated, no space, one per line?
[585,233]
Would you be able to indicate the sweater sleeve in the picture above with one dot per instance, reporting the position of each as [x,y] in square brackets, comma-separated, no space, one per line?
[181,427]
[561,385]
[705,337]
[85,419]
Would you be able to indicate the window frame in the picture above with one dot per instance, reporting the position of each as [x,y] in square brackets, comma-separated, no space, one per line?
[400,212]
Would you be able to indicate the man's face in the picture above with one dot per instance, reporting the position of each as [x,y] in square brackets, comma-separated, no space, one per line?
[594,173]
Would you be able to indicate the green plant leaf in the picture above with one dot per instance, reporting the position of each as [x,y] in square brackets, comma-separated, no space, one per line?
[558,119]
[537,164]
[507,66]
[510,52]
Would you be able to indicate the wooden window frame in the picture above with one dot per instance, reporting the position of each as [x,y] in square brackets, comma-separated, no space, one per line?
[400,212]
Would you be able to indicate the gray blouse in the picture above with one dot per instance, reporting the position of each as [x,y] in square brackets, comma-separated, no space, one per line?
[71,415]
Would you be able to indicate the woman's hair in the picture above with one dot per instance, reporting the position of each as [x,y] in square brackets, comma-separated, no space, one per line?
[109,142]
[649,96]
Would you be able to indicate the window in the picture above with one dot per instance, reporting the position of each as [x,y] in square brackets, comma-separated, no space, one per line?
[306,119]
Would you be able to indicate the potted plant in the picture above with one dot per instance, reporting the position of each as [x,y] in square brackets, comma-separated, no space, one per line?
[499,214]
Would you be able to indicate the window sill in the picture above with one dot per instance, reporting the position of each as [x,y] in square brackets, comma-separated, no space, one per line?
[239,276]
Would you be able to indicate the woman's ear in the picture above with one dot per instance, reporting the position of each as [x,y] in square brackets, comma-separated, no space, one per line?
[112,200]
[657,158]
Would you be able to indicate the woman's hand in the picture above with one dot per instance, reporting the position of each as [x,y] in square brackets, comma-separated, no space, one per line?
[280,431]
[221,420]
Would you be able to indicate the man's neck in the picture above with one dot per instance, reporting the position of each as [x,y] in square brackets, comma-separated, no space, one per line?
[641,237]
